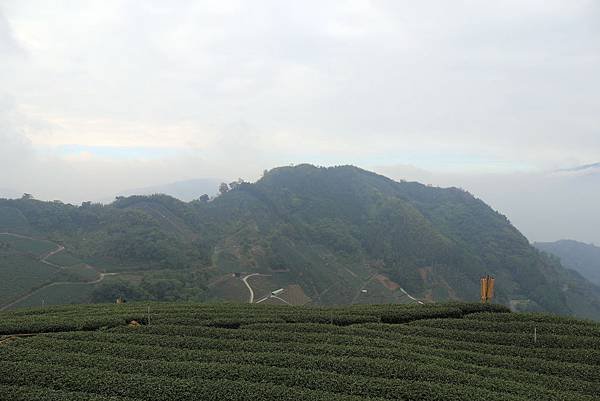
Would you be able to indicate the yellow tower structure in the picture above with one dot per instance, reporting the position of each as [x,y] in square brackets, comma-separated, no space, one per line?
[487,289]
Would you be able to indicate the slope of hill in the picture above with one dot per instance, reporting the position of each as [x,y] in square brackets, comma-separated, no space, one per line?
[321,235]
[241,352]
[583,258]
[35,272]
[20,267]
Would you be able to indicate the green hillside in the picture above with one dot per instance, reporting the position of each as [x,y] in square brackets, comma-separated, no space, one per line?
[186,351]
[35,272]
[583,258]
[314,235]
[20,267]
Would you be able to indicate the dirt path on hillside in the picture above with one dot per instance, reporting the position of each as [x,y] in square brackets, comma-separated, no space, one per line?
[43,259]
[245,280]
[273,296]
[53,284]
[410,296]
[387,283]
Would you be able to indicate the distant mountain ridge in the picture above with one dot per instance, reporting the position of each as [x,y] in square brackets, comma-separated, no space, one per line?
[586,167]
[186,190]
[578,256]
[334,235]
[8,193]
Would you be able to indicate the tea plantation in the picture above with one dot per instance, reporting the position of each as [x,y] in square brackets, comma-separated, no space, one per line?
[254,352]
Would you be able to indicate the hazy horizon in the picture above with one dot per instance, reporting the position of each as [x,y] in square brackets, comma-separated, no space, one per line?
[97,98]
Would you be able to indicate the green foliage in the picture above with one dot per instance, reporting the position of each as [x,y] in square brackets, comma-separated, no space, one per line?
[111,291]
[78,273]
[157,286]
[583,258]
[58,293]
[20,274]
[11,219]
[404,316]
[18,393]
[64,258]
[28,246]
[236,352]
[326,229]
[49,323]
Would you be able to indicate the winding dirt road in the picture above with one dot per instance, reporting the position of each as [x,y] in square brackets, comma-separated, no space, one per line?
[245,280]
[410,296]
[43,259]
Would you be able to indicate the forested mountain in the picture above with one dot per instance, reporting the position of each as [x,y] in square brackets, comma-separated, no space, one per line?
[325,235]
[583,258]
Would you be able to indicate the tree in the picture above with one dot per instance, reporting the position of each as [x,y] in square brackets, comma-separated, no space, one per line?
[204,198]
[236,184]
[223,188]
[109,292]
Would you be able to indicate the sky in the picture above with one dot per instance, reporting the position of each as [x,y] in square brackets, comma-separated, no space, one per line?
[98,97]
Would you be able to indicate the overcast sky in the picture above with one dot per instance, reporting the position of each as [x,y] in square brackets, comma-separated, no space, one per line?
[100,96]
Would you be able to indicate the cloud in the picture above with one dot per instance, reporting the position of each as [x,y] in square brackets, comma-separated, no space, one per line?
[230,88]
[8,43]
[16,149]
[497,79]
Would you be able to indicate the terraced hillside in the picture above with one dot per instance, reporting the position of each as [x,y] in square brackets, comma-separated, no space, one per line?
[36,272]
[265,352]
[324,236]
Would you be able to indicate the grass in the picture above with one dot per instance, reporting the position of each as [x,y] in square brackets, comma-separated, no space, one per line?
[26,245]
[185,351]
[11,219]
[60,293]
[81,273]
[20,274]
[64,258]
[230,287]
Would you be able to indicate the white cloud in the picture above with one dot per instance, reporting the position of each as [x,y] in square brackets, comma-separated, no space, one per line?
[236,87]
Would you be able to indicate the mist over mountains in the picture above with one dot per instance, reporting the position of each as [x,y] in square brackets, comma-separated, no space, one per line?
[9,193]
[583,258]
[326,234]
[299,200]
[186,191]
[546,206]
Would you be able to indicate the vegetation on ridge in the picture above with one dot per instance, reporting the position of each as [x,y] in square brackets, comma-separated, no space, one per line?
[330,232]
